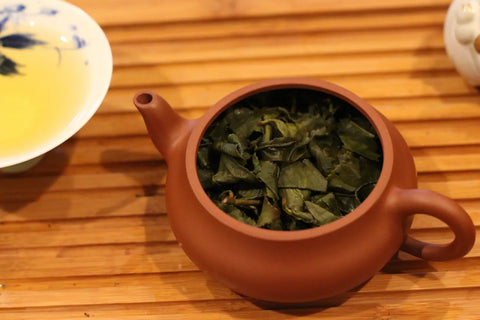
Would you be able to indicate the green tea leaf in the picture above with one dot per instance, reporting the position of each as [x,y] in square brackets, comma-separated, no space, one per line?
[329,202]
[231,171]
[298,151]
[286,129]
[237,213]
[314,122]
[276,112]
[233,147]
[321,215]
[205,176]
[217,130]
[251,194]
[346,175]
[203,156]
[370,171]
[267,134]
[244,121]
[294,198]
[363,191]
[357,139]
[268,174]
[325,152]
[302,175]
[277,149]
[280,142]
[346,202]
[269,216]
[293,202]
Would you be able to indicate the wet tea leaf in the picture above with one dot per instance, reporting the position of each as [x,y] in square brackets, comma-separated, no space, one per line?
[346,175]
[357,139]
[205,176]
[233,147]
[244,121]
[268,173]
[269,216]
[285,129]
[293,202]
[203,156]
[324,151]
[362,192]
[329,202]
[302,175]
[321,215]
[251,193]
[346,202]
[231,171]
[237,213]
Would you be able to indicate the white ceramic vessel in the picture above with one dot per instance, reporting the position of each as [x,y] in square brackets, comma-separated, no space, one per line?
[78,32]
[462,38]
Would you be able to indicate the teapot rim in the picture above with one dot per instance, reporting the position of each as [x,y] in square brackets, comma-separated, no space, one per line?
[373,116]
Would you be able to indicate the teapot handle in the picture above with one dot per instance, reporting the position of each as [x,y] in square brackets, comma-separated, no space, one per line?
[411,201]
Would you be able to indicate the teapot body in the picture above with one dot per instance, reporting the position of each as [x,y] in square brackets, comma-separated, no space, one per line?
[282,269]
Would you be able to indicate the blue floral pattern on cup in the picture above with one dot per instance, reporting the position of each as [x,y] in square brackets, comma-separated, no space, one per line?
[12,15]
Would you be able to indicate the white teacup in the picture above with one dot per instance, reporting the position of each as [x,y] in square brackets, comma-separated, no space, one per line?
[55,70]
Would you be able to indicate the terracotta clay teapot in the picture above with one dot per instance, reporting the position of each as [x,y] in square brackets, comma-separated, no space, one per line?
[304,265]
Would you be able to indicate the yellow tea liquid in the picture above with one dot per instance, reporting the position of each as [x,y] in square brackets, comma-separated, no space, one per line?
[40,102]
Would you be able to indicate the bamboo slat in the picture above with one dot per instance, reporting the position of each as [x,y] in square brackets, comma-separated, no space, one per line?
[368,86]
[290,24]
[192,286]
[316,66]
[234,308]
[274,46]
[113,12]
[352,306]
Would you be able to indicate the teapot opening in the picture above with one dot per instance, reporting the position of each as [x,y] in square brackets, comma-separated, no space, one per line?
[289,159]
[144,98]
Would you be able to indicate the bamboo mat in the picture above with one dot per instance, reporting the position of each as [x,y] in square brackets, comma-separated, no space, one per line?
[85,234]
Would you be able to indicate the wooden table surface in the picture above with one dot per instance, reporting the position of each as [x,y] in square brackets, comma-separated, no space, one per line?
[85,234]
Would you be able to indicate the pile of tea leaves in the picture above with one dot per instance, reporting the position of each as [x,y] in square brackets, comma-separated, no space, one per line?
[289,159]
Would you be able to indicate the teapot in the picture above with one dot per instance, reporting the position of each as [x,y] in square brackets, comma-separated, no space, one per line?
[302,265]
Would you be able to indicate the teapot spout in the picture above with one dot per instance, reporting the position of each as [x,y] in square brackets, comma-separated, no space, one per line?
[165,127]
